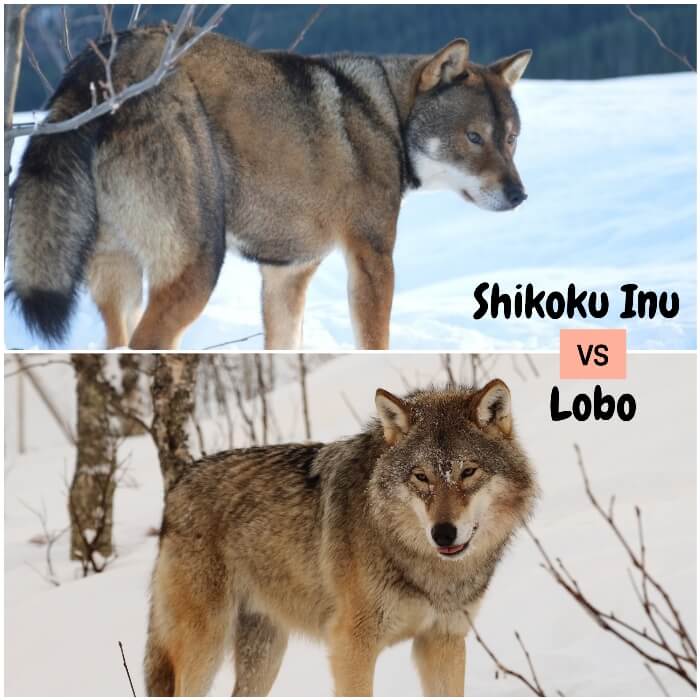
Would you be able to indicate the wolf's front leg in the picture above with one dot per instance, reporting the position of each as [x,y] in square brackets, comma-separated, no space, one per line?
[370,293]
[283,299]
[441,662]
[353,655]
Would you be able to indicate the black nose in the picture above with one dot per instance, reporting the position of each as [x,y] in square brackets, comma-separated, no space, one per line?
[515,194]
[444,534]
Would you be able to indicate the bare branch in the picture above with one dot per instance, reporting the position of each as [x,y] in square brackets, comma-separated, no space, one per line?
[681,662]
[169,57]
[534,686]
[683,59]
[638,563]
[134,19]
[309,23]
[46,398]
[529,660]
[126,668]
[604,620]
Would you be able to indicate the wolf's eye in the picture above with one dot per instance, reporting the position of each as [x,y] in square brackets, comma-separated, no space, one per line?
[421,477]
[475,138]
[468,472]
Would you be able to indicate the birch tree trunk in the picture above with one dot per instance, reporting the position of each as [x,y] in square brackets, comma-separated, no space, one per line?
[173,395]
[132,393]
[91,495]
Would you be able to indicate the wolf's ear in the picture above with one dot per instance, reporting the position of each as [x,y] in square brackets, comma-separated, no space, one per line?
[394,415]
[492,410]
[511,69]
[445,65]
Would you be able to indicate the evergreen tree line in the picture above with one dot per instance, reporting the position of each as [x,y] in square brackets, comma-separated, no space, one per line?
[569,41]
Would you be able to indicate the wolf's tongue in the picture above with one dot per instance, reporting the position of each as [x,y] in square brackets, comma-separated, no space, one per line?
[450,550]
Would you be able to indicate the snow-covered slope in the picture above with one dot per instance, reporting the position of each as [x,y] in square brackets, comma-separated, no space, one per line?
[63,640]
[610,168]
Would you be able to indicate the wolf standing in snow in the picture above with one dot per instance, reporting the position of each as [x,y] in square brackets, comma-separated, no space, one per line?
[389,535]
[277,156]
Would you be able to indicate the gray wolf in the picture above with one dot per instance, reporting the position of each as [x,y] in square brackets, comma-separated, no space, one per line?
[389,535]
[277,156]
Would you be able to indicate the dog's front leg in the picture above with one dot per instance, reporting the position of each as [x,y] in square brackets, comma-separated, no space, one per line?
[441,662]
[353,654]
[370,293]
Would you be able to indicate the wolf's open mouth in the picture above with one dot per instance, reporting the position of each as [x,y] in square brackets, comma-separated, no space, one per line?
[451,551]
[456,549]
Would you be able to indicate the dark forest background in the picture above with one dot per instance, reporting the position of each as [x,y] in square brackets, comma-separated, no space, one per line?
[569,41]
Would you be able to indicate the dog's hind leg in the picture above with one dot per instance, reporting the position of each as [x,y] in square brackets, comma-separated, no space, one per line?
[259,648]
[284,295]
[172,307]
[115,279]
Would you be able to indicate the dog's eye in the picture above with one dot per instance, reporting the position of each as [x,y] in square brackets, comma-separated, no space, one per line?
[421,477]
[475,138]
[511,139]
[468,472]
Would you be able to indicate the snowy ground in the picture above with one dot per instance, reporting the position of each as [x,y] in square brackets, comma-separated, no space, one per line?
[610,168]
[63,640]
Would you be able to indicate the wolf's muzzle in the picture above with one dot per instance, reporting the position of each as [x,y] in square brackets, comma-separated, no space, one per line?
[515,194]
[444,534]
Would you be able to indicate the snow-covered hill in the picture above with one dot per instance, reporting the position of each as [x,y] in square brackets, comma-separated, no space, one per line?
[63,640]
[610,168]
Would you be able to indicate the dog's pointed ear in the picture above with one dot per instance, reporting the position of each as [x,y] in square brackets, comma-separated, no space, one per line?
[492,409]
[393,414]
[511,69]
[448,63]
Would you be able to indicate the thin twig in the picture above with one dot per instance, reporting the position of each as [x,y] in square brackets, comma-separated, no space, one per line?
[533,686]
[25,367]
[66,34]
[529,660]
[126,668]
[134,19]
[346,401]
[654,675]
[531,362]
[309,23]
[50,538]
[683,59]
[34,63]
[231,342]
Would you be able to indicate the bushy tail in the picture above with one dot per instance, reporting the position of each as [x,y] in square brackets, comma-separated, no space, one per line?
[53,228]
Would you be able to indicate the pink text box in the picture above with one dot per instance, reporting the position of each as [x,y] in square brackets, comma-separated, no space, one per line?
[571,358]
